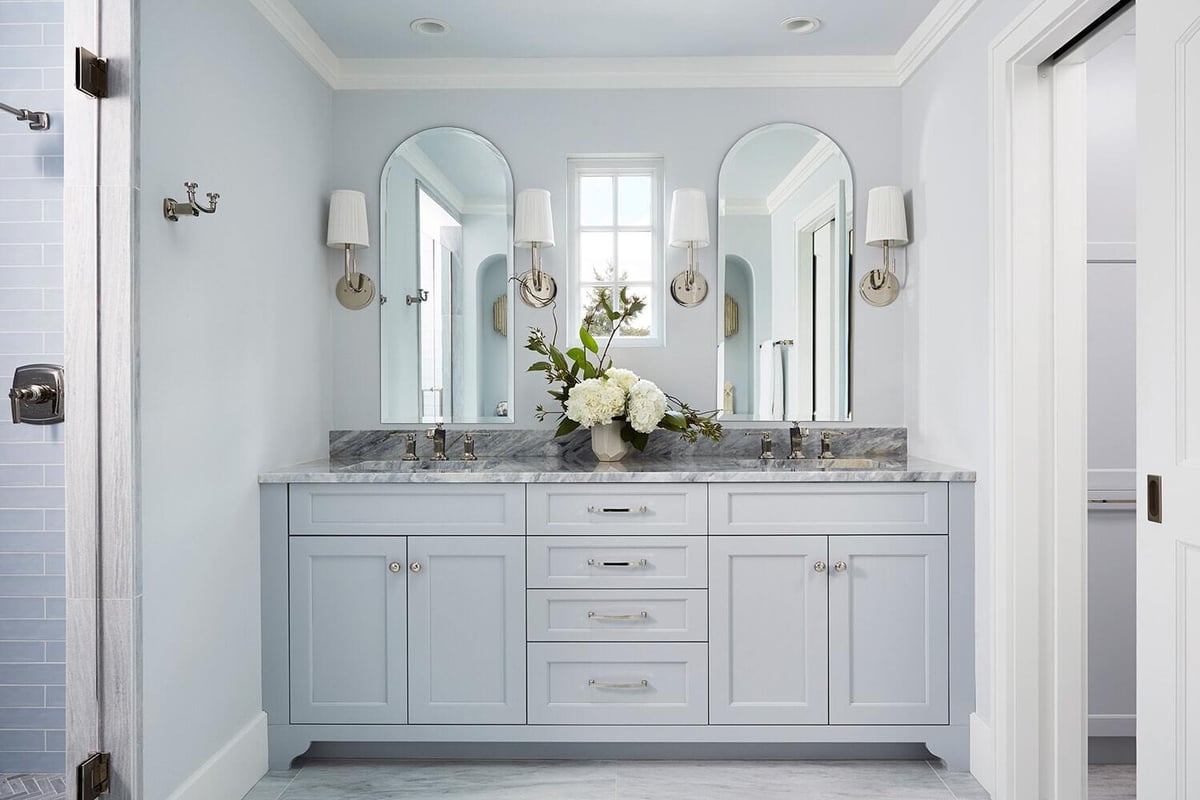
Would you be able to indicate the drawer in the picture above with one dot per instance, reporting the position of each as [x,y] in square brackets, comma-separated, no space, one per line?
[589,509]
[617,562]
[617,615]
[618,684]
[829,508]
[459,509]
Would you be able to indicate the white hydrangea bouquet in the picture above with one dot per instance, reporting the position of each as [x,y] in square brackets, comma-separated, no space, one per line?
[620,408]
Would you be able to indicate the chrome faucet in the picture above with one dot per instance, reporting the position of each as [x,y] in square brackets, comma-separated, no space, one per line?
[797,441]
[766,453]
[469,448]
[410,447]
[438,435]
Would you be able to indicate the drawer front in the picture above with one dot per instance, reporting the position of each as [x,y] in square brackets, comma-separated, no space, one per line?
[590,510]
[618,615]
[617,562]
[829,508]
[421,509]
[618,684]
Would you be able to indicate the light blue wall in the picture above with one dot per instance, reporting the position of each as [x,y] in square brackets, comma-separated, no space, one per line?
[537,130]
[234,315]
[32,630]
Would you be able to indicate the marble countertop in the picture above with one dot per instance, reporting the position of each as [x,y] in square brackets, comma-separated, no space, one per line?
[633,469]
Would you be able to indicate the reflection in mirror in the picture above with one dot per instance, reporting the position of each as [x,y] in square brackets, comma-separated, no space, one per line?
[446,349]
[786,222]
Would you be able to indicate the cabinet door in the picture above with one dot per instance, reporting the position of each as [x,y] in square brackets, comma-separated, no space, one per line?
[888,630]
[466,636]
[347,610]
[768,603]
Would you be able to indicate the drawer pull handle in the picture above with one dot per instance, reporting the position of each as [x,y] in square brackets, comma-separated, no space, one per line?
[840,566]
[639,616]
[641,562]
[618,509]
[595,684]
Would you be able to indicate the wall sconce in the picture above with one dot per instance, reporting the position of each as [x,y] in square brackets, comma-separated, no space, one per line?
[535,230]
[887,227]
[689,228]
[348,230]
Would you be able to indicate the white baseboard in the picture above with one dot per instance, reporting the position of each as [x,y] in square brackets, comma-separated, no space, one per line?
[233,770]
[983,754]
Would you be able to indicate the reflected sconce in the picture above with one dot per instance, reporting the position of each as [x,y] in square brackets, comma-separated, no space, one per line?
[689,228]
[887,227]
[534,229]
[348,230]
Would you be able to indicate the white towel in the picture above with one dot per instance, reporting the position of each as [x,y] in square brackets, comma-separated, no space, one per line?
[765,387]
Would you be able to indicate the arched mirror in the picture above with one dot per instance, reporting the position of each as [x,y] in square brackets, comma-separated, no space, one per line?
[784,253]
[446,201]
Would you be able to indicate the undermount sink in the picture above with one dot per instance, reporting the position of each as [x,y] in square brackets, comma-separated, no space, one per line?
[809,463]
[396,465]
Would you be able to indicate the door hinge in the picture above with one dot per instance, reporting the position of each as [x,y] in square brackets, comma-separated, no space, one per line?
[92,776]
[91,73]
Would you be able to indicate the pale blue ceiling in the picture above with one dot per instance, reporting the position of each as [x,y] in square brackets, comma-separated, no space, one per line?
[604,28]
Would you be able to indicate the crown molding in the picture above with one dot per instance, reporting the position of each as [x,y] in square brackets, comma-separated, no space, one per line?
[295,30]
[726,72]
[929,35]
[805,168]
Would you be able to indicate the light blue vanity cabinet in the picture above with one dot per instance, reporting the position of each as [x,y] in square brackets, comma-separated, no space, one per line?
[518,607]
[889,635]
[770,610]
[466,630]
[348,616]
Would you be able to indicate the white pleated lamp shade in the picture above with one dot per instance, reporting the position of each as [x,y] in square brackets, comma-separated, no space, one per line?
[534,222]
[887,223]
[689,218]
[347,219]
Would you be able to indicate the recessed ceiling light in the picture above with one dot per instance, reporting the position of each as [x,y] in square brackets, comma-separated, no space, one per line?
[800,25]
[428,26]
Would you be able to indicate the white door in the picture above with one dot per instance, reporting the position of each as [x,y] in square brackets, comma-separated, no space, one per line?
[466,631]
[1168,330]
[769,629]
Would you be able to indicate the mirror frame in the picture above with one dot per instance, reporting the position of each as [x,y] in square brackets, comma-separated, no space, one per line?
[509,253]
[721,257]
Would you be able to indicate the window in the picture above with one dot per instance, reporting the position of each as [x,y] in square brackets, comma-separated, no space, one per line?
[616,223]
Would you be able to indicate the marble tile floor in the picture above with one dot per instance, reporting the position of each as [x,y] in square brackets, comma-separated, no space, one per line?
[27,786]
[642,780]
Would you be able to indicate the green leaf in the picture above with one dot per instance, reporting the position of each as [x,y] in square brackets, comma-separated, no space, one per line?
[566,426]
[638,440]
[539,366]
[558,359]
[577,355]
[673,421]
[588,370]
[588,340]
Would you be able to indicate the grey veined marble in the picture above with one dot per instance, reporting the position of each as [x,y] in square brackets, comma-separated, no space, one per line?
[534,456]
[383,445]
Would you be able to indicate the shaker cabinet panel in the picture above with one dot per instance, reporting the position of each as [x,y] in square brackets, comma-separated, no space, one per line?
[347,597]
[466,630]
[828,508]
[888,630]
[768,633]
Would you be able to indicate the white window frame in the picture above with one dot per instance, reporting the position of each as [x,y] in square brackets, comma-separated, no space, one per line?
[586,166]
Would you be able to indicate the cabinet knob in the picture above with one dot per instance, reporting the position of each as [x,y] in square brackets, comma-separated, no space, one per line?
[414,567]
[819,566]
[394,566]
[840,566]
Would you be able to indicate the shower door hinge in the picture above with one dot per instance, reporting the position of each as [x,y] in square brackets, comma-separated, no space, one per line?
[92,777]
[91,73]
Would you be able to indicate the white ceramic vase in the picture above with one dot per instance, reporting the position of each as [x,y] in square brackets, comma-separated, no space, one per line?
[607,443]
